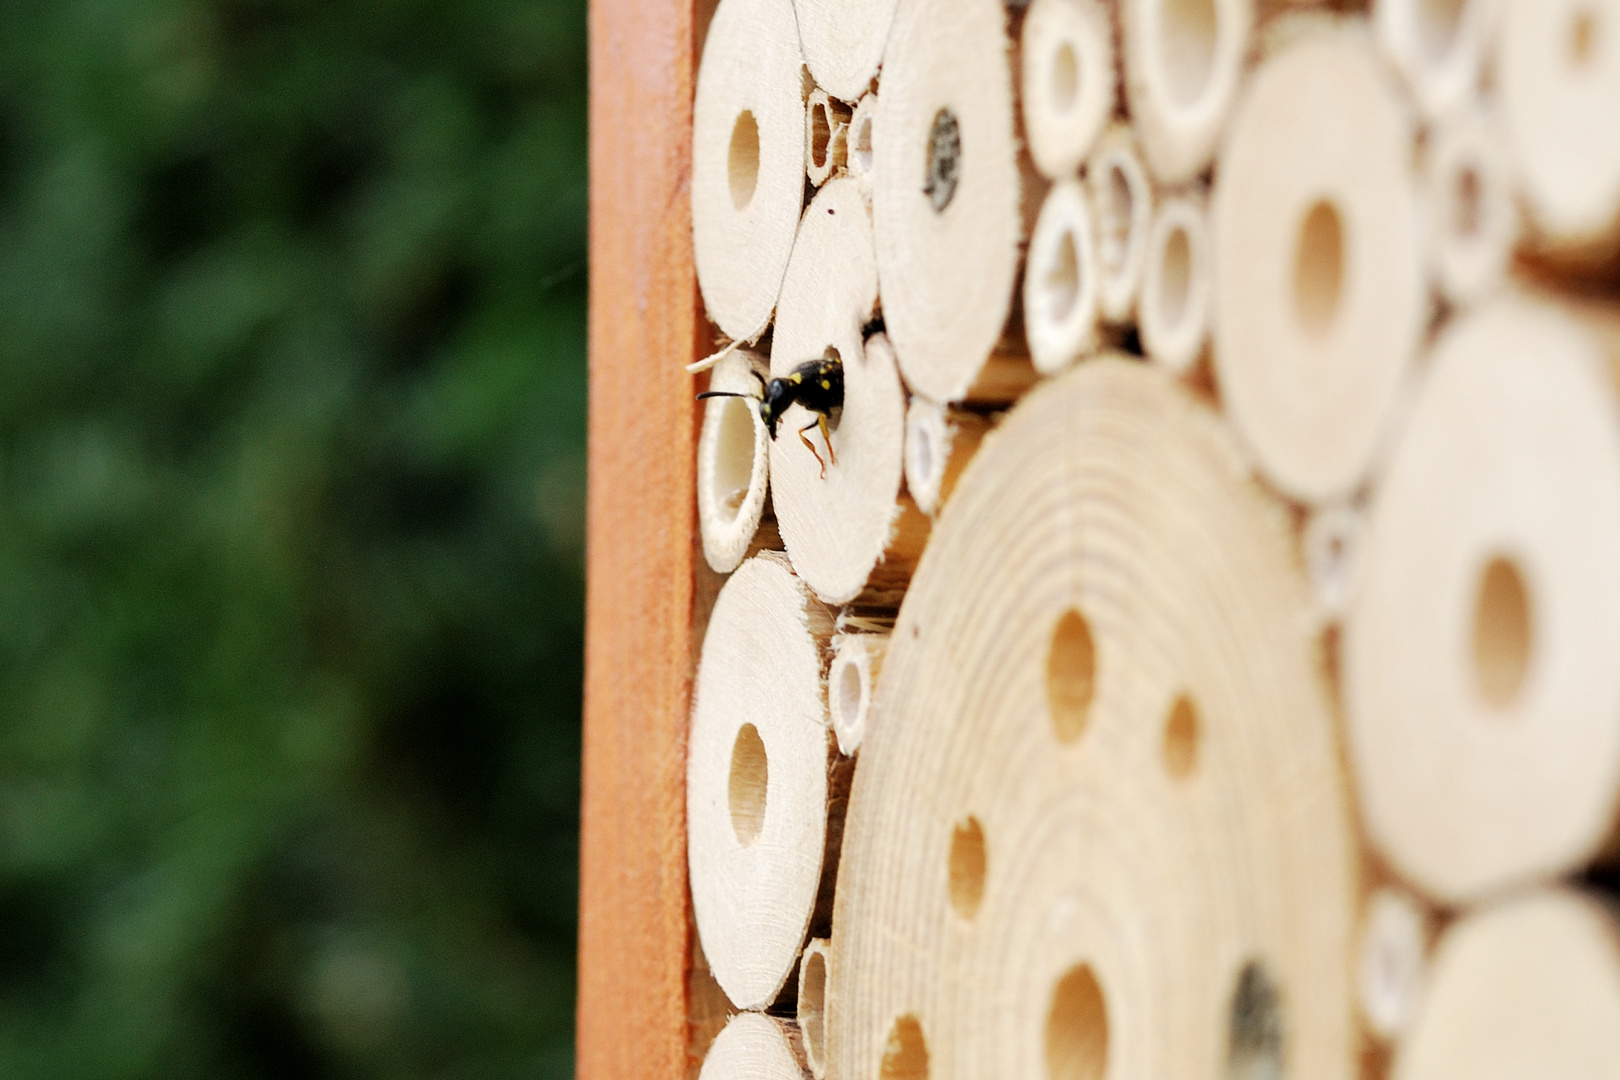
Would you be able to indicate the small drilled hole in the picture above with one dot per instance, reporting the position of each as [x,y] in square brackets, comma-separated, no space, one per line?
[863,144]
[1175,278]
[1077,1028]
[1319,268]
[1503,632]
[1071,669]
[1583,31]
[924,454]
[743,161]
[967,865]
[733,454]
[1114,242]
[1189,29]
[905,1057]
[850,693]
[1181,733]
[1437,23]
[1469,208]
[813,1005]
[1254,1048]
[820,134]
[944,159]
[1063,278]
[1065,78]
[749,779]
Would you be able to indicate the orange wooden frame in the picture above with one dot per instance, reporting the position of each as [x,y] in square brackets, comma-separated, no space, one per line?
[634,937]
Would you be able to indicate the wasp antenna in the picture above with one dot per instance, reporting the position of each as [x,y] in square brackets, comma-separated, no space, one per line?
[722,393]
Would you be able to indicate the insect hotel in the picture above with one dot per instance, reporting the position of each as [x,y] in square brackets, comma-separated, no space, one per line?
[1139,595]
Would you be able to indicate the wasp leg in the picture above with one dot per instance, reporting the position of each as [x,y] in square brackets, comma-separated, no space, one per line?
[821,418]
[810,446]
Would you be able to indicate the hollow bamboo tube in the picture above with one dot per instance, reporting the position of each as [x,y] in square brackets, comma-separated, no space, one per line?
[1122,212]
[1063,855]
[858,153]
[1068,78]
[1527,987]
[754,1046]
[748,162]
[1332,540]
[1183,64]
[758,791]
[940,441]
[1480,685]
[1438,46]
[826,126]
[1174,310]
[1060,281]
[857,659]
[946,191]
[1319,297]
[733,463]
[1393,961]
[838,499]
[812,1005]
[1473,223]
[1557,67]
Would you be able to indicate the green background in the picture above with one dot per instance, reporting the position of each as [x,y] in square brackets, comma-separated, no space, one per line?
[292,391]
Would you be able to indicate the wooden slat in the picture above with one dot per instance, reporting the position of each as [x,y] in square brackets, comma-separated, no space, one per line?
[633,932]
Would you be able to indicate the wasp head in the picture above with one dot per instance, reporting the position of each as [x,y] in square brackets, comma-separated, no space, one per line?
[778,396]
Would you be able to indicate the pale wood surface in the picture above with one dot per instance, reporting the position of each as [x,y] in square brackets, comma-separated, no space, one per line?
[1320,298]
[1035,801]
[757,786]
[1480,717]
[633,929]
[1526,987]
[948,261]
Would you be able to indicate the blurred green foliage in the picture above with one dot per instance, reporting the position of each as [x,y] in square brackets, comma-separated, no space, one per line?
[292,391]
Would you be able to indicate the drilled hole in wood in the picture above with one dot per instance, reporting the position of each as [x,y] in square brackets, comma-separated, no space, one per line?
[1319,268]
[1114,223]
[944,159]
[1583,33]
[1188,29]
[1182,731]
[1254,1046]
[1175,278]
[851,693]
[813,1005]
[749,779]
[1071,671]
[742,163]
[861,152]
[733,454]
[1065,79]
[967,867]
[1062,281]
[1468,208]
[1503,632]
[1077,1028]
[820,134]
[905,1056]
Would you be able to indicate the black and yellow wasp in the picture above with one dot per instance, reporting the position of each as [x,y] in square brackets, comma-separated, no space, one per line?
[818,385]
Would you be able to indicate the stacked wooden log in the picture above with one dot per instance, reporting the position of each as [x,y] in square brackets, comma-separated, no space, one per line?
[1185,646]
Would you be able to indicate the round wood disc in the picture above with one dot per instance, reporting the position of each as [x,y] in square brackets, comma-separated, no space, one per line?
[1099,828]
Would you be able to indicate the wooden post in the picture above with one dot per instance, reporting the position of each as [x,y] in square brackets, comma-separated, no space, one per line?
[633,927]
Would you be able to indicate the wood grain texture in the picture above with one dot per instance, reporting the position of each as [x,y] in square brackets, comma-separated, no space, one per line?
[634,932]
